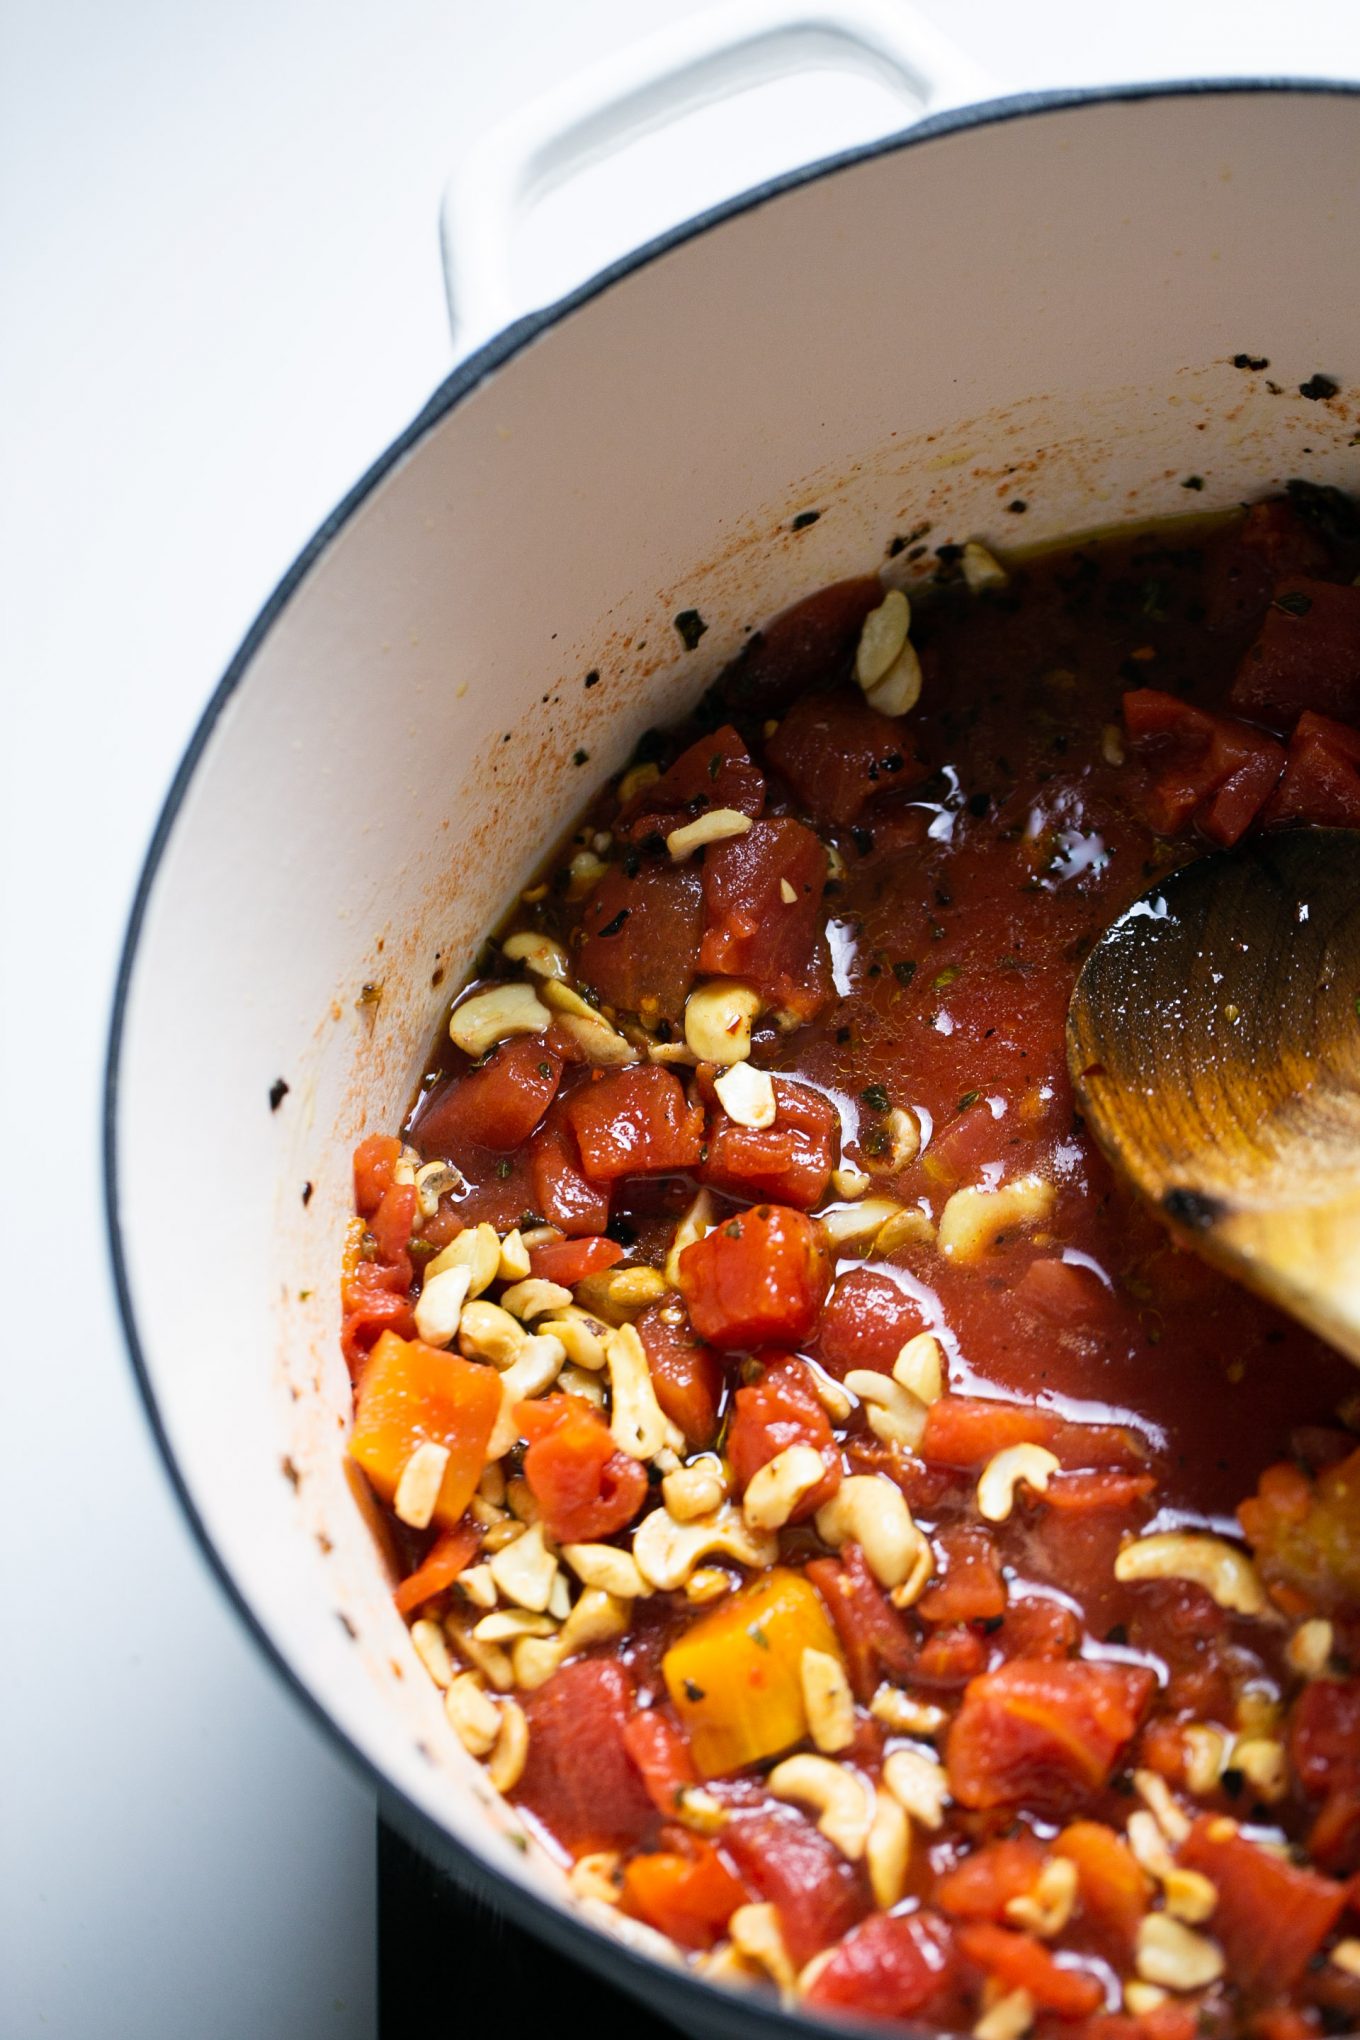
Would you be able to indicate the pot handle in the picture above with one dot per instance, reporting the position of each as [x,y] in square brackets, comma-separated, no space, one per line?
[648,85]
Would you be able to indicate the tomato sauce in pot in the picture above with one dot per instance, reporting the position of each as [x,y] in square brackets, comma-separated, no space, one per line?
[863,1543]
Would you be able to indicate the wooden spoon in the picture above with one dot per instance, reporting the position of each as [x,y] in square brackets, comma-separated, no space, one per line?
[1214,1044]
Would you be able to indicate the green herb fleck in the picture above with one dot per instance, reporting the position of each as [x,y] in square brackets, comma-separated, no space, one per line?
[904,971]
[945,977]
[715,764]
[875,1097]
[694,1693]
[758,1636]
[969,1098]
[1296,603]
[505,1169]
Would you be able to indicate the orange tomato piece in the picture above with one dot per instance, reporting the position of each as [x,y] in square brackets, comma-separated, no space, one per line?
[1113,1886]
[1043,1731]
[691,1897]
[409,1394]
[1022,1963]
[450,1554]
[584,1485]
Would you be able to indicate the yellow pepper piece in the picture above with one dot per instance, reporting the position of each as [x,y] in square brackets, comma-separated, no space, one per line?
[735,1678]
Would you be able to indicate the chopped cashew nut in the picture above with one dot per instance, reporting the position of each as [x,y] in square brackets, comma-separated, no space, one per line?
[900,688]
[1148,1844]
[535,1659]
[850,1224]
[507,1625]
[472,1715]
[514,1261]
[582,1337]
[695,1490]
[1206,1751]
[596,1877]
[1003,1473]
[598,1042]
[476,1585]
[911,1227]
[598,1617]
[827,1699]
[490,1017]
[478,1249]
[982,569]
[871,1511]
[718,1017]
[420,1482]
[746,1095]
[709,1583]
[491,1486]
[844,1801]
[490,1660]
[888,1850]
[699,1809]
[1010,2018]
[756,1934]
[606,1567]
[697,1221]
[506,1766]
[716,825]
[621,1294]
[1225,1573]
[1141,1998]
[833,1395]
[919,1368]
[1157,1796]
[895,1415]
[433,1181]
[1174,1956]
[775,1490]
[1346,1957]
[1309,1649]
[974,1219]
[635,778]
[585,871]
[1047,1906]
[427,1640]
[544,957]
[881,638]
[849,1183]
[899,1142]
[486,1332]
[667,1552]
[787,893]
[1188,1895]
[439,1305]
[574,1380]
[916,1779]
[898,1711]
[1262,1762]
[524,1572]
[534,1298]
[636,1424]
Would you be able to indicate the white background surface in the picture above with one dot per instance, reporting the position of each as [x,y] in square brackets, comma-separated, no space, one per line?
[222,299]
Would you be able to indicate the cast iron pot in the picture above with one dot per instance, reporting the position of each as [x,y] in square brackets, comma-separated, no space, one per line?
[1049,302]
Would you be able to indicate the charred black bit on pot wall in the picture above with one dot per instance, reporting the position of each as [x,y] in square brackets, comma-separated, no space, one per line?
[803,519]
[1318,388]
[691,627]
[278,1091]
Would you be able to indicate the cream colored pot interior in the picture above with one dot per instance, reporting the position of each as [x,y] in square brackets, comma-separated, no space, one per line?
[1041,309]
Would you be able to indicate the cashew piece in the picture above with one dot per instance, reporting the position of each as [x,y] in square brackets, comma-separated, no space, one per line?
[870,1511]
[667,1552]
[637,1424]
[1005,1470]
[917,1781]
[493,1016]
[844,1801]
[974,1218]
[775,1489]
[1224,1572]
[895,1415]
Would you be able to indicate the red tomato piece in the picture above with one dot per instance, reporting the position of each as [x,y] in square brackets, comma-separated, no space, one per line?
[968,1586]
[496,1104]
[451,1553]
[570,1261]
[563,1192]
[1065,1292]
[392,1225]
[950,1657]
[1324,1747]
[1271,1916]
[789,1162]
[635,1122]
[963,1431]
[783,1857]
[874,1637]
[374,1161]
[983,1884]
[810,645]
[1076,1492]
[1022,1963]
[1206,768]
[757,1279]
[1307,655]
[686,1374]
[867,1321]
[689,1894]
[1036,1628]
[1171,2021]
[579,1780]
[838,754]
[1043,1732]
[641,946]
[715,772]
[1243,563]
[1321,781]
[371,1307]
[753,931]
[780,1410]
[1113,1887]
[660,1749]
[893,1967]
[584,1486]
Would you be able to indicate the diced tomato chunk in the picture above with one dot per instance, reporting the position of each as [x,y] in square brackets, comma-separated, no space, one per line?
[1043,1732]
[1208,768]
[1321,782]
[686,1374]
[894,1966]
[635,1122]
[1244,562]
[715,772]
[969,1586]
[1112,1885]
[874,1637]
[1037,1628]
[752,930]
[1169,2021]
[810,645]
[838,754]
[1307,655]
[1324,1747]
[496,1104]
[984,1883]
[867,1320]
[780,1410]
[789,1162]
[578,1777]
[1077,1492]
[569,1261]
[392,1225]
[1271,1917]
[411,1394]
[689,1894]
[757,1279]
[1306,1533]
[450,1554]
[1022,1963]
[819,1895]
[583,1485]
[372,1306]
[374,1161]
[660,1749]
[564,1194]
[641,946]
[964,1431]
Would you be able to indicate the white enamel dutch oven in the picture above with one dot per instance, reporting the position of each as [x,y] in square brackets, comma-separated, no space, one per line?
[1034,301]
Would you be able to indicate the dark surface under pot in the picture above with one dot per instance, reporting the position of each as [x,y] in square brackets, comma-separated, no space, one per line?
[447,1959]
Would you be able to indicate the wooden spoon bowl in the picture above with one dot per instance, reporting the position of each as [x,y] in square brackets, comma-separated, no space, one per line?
[1213,1040]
